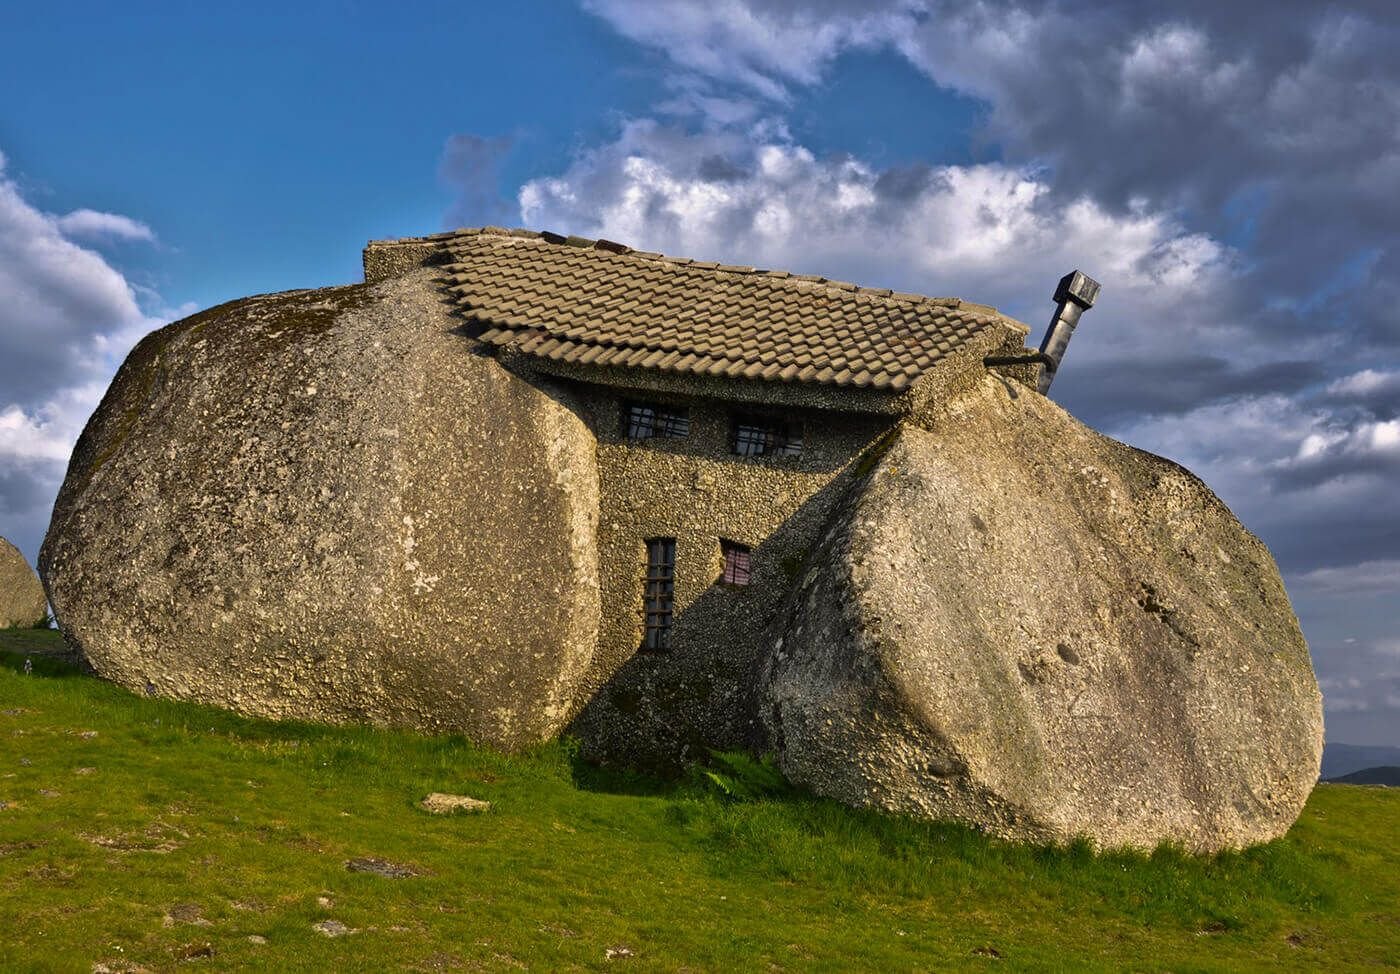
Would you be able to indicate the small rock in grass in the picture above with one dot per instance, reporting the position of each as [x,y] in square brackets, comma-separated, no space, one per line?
[612,953]
[85,771]
[185,913]
[254,938]
[333,928]
[325,902]
[443,804]
[380,867]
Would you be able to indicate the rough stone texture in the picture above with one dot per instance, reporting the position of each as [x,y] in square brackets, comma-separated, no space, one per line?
[22,602]
[324,505]
[441,803]
[658,709]
[1027,626]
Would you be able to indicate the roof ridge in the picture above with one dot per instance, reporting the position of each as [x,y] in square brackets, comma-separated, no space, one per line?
[615,249]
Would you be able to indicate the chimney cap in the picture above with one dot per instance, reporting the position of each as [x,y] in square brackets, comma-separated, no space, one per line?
[1078,287]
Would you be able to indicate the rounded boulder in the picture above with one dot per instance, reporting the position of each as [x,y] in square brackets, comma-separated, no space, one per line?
[1023,625]
[327,505]
[22,601]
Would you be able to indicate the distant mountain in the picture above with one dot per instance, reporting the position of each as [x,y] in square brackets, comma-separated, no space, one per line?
[1343,759]
[1385,775]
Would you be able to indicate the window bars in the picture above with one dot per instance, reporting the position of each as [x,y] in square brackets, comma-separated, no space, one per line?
[762,436]
[658,593]
[738,566]
[648,420]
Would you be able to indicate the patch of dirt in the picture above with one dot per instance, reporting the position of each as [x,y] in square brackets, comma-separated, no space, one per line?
[989,952]
[381,867]
[191,913]
[195,951]
[333,928]
[156,837]
[559,930]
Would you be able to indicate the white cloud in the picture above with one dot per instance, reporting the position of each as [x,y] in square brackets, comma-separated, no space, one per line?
[67,318]
[760,49]
[987,232]
[95,225]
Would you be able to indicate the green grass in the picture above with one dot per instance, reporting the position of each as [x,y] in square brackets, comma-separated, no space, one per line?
[140,833]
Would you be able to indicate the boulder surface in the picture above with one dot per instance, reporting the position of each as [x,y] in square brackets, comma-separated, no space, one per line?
[323,505]
[22,602]
[1021,624]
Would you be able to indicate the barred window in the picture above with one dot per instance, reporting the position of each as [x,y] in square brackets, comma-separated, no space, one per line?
[648,420]
[658,593]
[764,436]
[738,567]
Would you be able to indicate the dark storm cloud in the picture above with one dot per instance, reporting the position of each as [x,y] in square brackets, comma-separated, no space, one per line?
[1115,391]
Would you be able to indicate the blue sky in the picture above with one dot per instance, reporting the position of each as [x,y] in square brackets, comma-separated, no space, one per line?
[266,142]
[1229,172]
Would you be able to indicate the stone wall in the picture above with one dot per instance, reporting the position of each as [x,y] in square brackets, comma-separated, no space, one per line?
[658,707]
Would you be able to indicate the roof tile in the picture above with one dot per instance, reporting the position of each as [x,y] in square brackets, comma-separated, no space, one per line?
[575,299]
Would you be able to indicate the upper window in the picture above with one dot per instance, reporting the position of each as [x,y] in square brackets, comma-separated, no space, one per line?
[764,436]
[738,567]
[648,420]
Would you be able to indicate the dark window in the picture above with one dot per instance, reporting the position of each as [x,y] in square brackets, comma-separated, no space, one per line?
[659,592]
[764,436]
[737,564]
[645,420]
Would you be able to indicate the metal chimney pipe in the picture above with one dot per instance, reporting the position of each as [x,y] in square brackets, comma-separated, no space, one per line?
[1075,294]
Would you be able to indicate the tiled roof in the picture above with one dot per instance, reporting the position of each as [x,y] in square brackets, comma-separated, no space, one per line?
[598,303]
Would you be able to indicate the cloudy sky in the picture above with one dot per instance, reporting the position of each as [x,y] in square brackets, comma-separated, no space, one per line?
[1229,172]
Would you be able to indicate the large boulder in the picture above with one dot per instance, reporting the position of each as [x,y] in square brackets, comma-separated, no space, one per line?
[1021,624]
[22,602]
[325,505]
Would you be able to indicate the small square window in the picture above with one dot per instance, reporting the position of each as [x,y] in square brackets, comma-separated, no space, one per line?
[648,420]
[762,436]
[738,563]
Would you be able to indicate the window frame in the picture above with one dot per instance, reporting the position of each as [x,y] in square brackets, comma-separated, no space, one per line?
[667,421]
[732,574]
[658,595]
[781,438]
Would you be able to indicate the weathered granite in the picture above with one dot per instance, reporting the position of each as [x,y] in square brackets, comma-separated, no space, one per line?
[22,602]
[1024,625]
[324,505]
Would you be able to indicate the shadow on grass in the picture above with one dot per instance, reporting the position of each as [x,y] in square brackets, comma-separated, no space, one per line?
[52,663]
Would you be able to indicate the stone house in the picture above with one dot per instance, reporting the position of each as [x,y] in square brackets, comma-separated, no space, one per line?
[517,485]
[731,406]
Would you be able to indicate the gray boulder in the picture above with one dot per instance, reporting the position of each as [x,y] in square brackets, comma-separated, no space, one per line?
[321,505]
[1021,624]
[22,602]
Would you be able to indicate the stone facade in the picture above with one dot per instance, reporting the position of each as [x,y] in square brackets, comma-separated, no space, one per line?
[658,708]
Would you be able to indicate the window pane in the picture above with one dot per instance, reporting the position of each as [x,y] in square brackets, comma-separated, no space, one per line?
[645,421]
[737,564]
[658,593]
[762,437]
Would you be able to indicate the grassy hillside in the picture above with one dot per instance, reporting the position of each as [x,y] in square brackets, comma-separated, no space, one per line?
[141,834]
